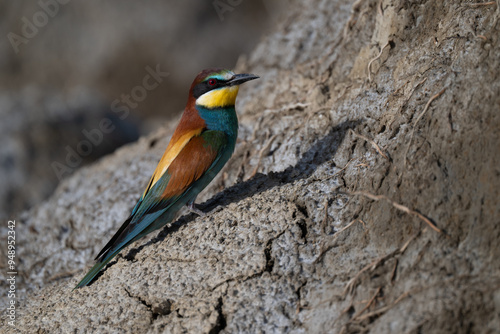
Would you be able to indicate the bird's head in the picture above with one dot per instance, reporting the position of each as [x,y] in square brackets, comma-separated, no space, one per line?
[217,88]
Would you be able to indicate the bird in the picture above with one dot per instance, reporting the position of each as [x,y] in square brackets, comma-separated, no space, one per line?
[200,146]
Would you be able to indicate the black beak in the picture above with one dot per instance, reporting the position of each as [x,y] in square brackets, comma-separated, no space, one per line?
[238,79]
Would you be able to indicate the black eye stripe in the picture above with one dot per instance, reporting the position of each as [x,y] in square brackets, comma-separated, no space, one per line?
[204,87]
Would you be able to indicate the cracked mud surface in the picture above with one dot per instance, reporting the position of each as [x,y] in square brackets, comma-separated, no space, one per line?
[289,247]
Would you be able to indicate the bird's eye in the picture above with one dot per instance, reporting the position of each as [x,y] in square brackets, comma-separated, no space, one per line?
[212,82]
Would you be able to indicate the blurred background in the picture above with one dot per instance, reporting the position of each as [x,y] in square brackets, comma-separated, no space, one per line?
[80,79]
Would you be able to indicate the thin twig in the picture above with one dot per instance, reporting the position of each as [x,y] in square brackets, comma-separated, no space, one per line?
[374,264]
[397,90]
[479,4]
[377,57]
[420,82]
[375,146]
[399,207]
[393,274]
[371,266]
[385,308]
[418,119]
[380,9]
[367,306]
[345,228]
[407,243]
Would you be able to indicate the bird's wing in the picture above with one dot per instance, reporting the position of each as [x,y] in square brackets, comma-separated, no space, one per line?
[173,149]
[196,158]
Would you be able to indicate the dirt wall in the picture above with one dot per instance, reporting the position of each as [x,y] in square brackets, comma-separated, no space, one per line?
[362,196]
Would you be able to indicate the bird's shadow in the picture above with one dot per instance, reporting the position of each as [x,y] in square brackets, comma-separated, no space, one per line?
[322,151]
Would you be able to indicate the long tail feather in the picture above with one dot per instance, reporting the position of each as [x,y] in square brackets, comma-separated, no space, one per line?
[103,253]
[96,269]
[116,244]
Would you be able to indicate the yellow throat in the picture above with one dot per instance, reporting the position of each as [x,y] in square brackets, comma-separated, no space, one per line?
[218,98]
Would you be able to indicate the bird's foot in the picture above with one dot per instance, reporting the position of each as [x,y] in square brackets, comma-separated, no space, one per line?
[192,208]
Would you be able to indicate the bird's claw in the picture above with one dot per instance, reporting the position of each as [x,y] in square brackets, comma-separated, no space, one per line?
[193,209]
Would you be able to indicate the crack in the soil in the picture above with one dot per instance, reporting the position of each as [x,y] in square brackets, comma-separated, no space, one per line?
[163,309]
[221,322]
[267,268]
[267,252]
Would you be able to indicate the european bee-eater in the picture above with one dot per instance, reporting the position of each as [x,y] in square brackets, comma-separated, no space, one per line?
[202,143]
